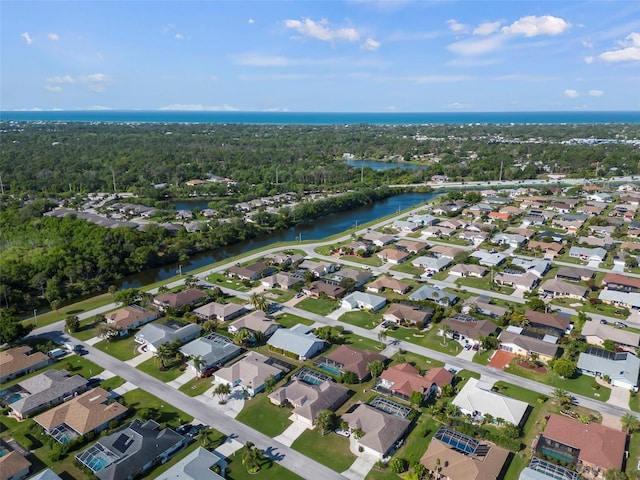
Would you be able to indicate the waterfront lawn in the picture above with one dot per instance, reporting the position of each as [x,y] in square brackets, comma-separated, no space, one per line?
[112,383]
[427,338]
[72,309]
[484,283]
[123,348]
[196,386]
[168,414]
[260,414]
[331,450]
[152,367]
[362,318]
[288,320]
[269,470]
[321,306]
[582,384]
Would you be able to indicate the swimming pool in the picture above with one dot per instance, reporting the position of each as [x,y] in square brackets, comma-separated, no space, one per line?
[14,397]
[330,369]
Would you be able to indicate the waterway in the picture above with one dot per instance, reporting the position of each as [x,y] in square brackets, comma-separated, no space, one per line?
[311,230]
[382,165]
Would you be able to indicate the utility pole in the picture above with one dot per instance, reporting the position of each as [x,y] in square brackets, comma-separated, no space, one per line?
[113,177]
[501,165]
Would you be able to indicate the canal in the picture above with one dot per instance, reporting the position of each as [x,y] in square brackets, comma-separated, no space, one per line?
[311,230]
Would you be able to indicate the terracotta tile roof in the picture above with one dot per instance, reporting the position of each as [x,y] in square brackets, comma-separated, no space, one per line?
[83,413]
[406,379]
[598,445]
[619,279]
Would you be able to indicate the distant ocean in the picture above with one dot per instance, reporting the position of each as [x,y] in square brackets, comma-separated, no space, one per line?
[310,118]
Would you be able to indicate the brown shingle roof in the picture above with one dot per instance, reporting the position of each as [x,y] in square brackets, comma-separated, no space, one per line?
[180,298]
[12,463]
[547,319]
[19,358]
[354,360]
[381,430]
[129,315]
[475,330]
[406,379]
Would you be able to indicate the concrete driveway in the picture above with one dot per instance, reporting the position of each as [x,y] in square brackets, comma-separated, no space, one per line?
[232,407]
[292,432]
[620,397]
[466,354]
[363,464]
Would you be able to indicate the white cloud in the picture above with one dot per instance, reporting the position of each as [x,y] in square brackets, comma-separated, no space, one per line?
[61,79]
[98,107]
[456,27]
[258,60]
[200,108]
[629,53]
[474,46]
[179,36]
[533,26]
[27,37]
[595,93]
[97,77]
[53,36]
[588,60]
[487,28]
[322,31]
[459,106]
[587,44]
[391,108]
[251,21]
[276,109]
[167,28]
[570,93]
[370,44]
[53,88]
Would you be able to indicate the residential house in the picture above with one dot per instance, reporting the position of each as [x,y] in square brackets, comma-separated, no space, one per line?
[476,238]
[622,368]
[196,466]
[488,259]
[437,231]
[423,219]
[250,372]
[540,469]
[482,304]
[478,460]
[46,474]
[128,317]
[252,272]
[20,361]
[153,335]
[521,343]
[569,226]
[297,341]
[318,268]
[478,401]
[471,332]
[549,249]
[513,240]
[384,282]
[363,301]
[631,247]
[453,224]
[403,379]
[360,277]
[131,450]
[559,288]
[349,359]
[393,256]
[90,412]
[308,400]
[411,246]
[405,226]
[13,465]
[524,281]
[499,216]
[282,280]
[319,288]
[434,294]
[471,270]
[445,251]
[597,254]
[575,274]
[596,333]
[606,242]
[381,430]
[210,351]
[591,448]
[379,239]
[534,266]
[219,311]
[183,298]
[554,324]
[402,313]
[284,258]
[621,283]
[46,390]
[431,264]
[256,322]
[604,230]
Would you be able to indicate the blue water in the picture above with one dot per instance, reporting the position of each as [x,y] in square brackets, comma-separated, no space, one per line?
[327,368]
[382,165]
[324,118]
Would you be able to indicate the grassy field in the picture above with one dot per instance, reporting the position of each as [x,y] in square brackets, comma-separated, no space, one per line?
[418,361]
[321,306]
[269,470]
[482,357]
[72,309]
[331,450]
[168,414]
[112,383]
[634,402]
[582,385]
[196,386]
[407,268]
[288,320]
[359,342]
[361,318]
[259,413]
[484,283]
[427,338]
[122,348]
[152,367]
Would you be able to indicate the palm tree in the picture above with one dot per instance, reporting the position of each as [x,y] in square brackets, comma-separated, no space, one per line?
[198,363]
[259,302]
[630,422]
[243,337]
[165,354]
[325,421]
[222,390]
[562,396]
[382,338]
[203,437]
[446,330]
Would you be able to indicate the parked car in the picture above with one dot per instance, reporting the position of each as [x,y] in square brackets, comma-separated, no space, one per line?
[467,346]
[603,321]
[620,325]
[342,433]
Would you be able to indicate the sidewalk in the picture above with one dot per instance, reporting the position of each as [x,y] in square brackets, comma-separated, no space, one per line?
[189,374]
[135,361]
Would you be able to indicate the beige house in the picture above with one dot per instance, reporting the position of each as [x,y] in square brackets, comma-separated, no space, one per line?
[19,361]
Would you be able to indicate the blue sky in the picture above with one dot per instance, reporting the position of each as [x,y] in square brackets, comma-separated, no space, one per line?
[330,55]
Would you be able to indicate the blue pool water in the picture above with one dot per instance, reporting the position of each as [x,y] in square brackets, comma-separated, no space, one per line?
[14,397]
[330,369]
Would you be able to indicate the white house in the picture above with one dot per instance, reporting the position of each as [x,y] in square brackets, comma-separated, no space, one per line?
[363,301]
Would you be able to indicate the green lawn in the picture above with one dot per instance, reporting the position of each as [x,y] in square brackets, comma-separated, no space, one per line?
[427,338]
[582,385]
[88,330]
[418,361]
[77,365]
[634,402]
[112,383]
[372,261]
[321,306]
[485,283]
[270,470]
[359,342]
[196,386]
[122,348]
[168,414]
[72,309]
[634,453]
[152,367]
[259,413]
[482,356]
[224,281]
[406,267]
[289,320]
[418,440]
[361,318]
[331,450]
